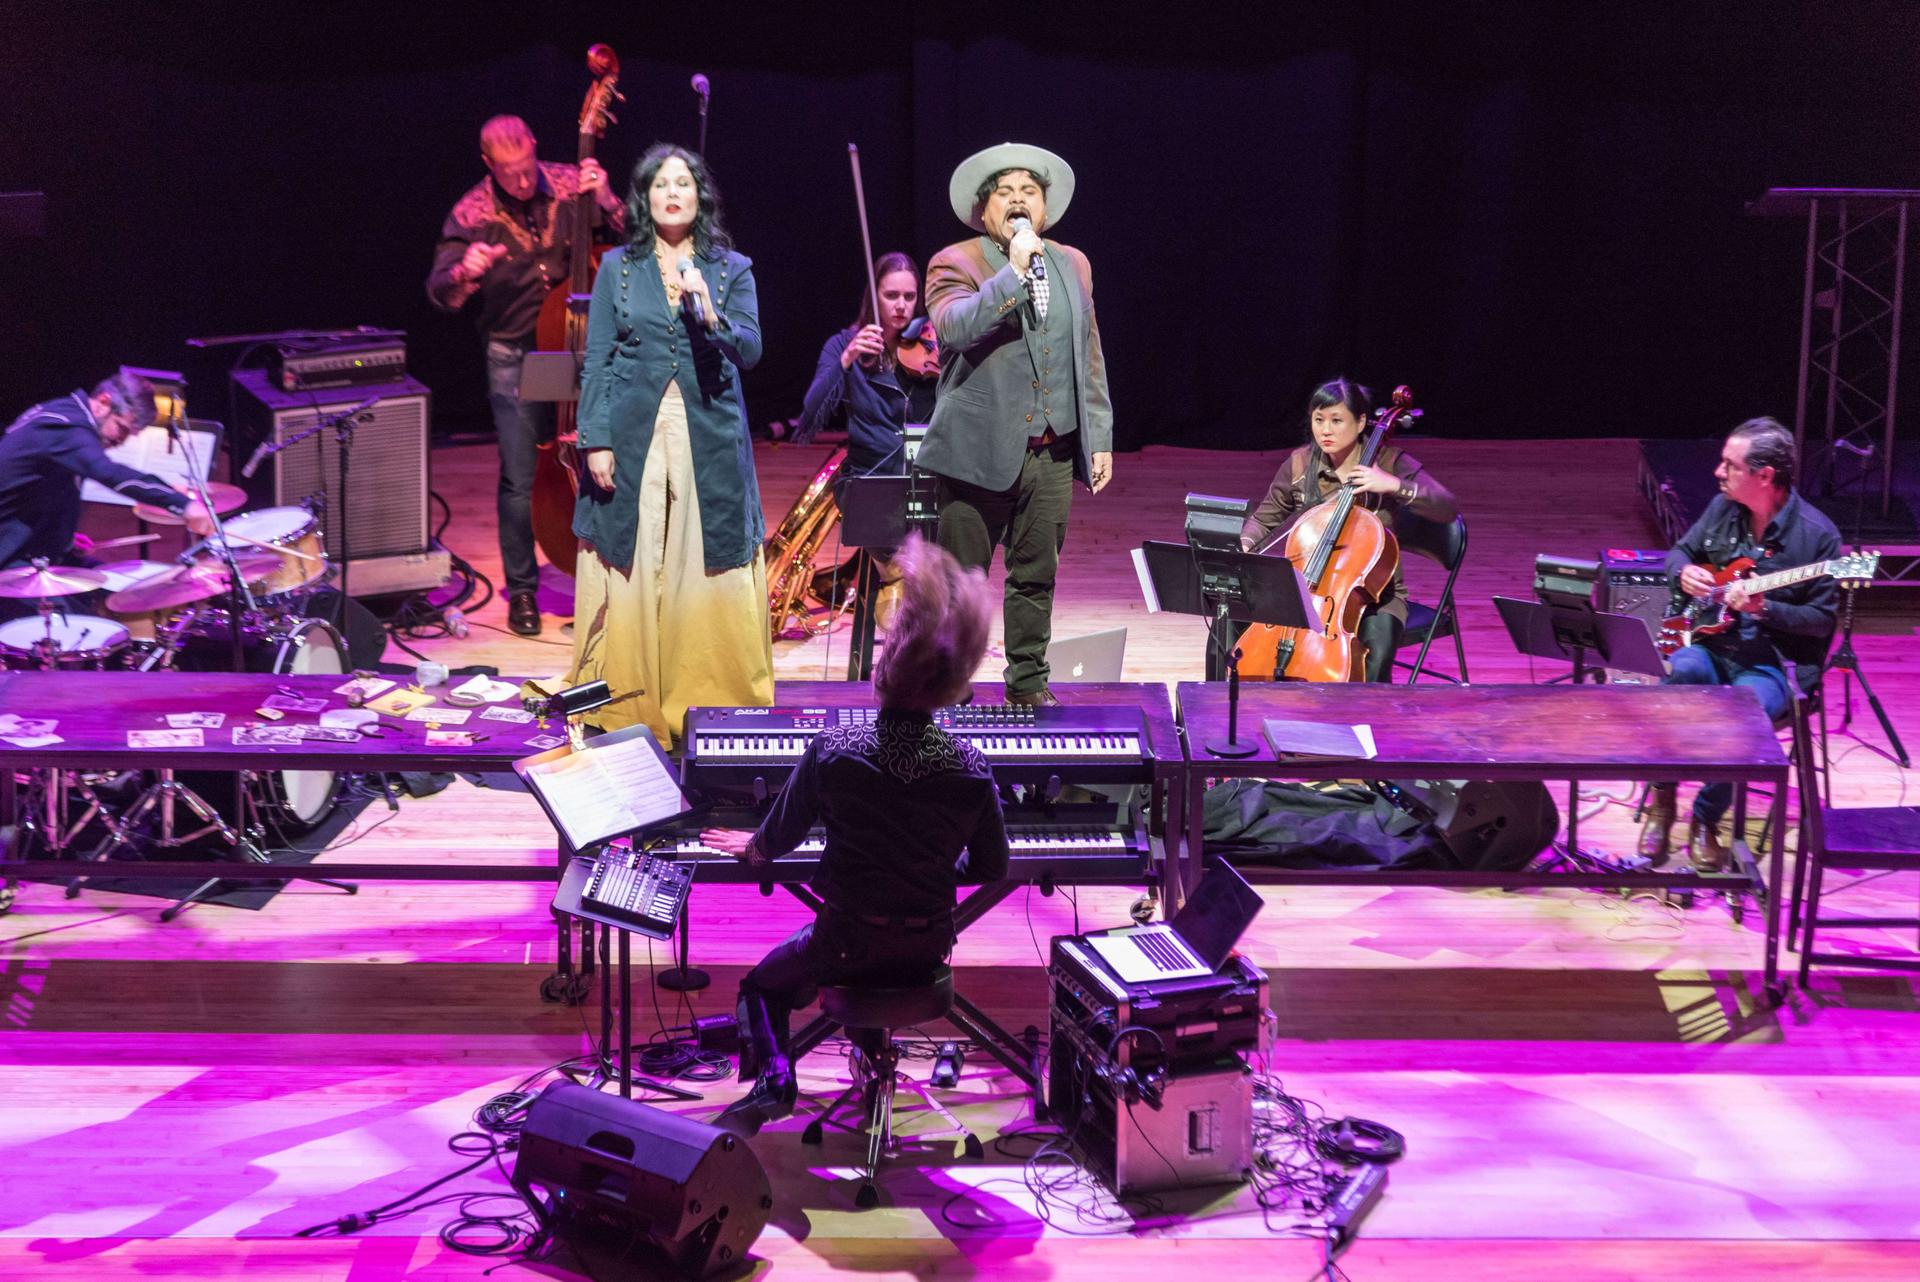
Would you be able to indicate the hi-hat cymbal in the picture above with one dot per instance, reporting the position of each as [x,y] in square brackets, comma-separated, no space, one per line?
[53,580]
[226,498]
[182,585]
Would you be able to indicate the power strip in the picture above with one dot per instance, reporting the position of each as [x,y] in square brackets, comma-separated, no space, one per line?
[1350,1205]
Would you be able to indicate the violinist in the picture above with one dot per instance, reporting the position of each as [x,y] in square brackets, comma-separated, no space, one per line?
[861,375]
[503,246]
[1337,416]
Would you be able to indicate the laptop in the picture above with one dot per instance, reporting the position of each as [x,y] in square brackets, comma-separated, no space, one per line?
[1195,943]
[1094,657]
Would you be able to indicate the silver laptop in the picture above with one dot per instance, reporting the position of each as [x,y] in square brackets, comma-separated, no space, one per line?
[1196,942]
[1098,656]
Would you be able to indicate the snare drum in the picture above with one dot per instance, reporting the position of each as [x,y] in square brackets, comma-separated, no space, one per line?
[60,641]
[290,646]
[290,533]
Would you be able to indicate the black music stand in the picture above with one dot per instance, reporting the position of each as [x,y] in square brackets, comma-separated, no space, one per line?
[875,516]
[1570,632]
[1225,586]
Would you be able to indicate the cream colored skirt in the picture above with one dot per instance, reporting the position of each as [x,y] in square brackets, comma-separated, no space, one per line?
[665,634]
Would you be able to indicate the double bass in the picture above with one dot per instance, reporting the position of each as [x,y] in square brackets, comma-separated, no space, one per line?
[1348,557]
[563,328]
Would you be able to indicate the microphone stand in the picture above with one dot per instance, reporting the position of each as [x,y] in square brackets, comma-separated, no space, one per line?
[342,424]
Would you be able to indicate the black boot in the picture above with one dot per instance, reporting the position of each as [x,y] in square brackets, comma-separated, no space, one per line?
[764,1041]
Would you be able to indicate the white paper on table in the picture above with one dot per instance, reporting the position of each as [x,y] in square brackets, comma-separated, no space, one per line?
[154,451]
[1320,739]
[483,689]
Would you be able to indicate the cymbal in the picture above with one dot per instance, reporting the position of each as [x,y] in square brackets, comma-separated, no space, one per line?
[182,585]
[254,566]
[54,580]
[226,498]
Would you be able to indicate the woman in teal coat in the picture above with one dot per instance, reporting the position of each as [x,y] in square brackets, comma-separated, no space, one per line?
[671,598]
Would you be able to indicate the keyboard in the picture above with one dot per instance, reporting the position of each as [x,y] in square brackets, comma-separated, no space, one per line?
[636,890]
[1088,743]
[1081,844]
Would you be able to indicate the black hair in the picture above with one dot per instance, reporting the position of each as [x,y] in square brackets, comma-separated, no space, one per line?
[985,189]
[709,234]
[1769,444]
[131,395]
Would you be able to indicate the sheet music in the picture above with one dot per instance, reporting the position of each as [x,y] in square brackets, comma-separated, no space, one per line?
[600,793]
[153,450]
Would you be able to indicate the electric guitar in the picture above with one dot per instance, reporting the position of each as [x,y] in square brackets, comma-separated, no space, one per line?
[1707,615]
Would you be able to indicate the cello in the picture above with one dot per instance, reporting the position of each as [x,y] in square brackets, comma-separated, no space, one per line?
[563,328]
[1348,557]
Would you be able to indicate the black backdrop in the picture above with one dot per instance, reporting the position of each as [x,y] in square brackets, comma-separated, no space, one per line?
[1531,212]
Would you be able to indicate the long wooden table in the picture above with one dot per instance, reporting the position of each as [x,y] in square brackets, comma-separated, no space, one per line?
[1655,734]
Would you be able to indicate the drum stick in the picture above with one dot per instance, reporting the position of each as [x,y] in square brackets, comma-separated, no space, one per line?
[126,541]
[273,547]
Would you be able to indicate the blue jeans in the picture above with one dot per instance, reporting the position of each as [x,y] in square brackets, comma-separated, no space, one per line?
[521,428]
[1697,666]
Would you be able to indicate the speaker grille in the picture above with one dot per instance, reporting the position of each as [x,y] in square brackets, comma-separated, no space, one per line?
[386,499]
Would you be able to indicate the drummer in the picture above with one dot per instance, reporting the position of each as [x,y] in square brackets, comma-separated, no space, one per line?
[50,449]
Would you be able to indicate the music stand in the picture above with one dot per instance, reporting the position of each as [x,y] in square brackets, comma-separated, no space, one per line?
[1569,632]
[1225,586]
[875,516]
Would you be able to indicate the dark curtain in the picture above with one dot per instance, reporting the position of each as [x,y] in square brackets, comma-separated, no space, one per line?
[1531,212]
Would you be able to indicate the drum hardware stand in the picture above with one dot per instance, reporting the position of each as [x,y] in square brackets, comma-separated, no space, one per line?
[1844,660]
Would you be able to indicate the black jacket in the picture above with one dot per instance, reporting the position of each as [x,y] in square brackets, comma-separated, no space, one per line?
[44,455]
[1797,621]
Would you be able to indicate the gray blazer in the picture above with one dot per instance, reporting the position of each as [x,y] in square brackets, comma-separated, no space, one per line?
[981,421]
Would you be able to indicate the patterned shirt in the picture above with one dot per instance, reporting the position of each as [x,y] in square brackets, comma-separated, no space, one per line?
[910,813]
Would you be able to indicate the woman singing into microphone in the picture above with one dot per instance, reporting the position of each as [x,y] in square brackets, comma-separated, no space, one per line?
[671,598]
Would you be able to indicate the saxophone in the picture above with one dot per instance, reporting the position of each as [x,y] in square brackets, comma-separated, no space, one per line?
[792,549]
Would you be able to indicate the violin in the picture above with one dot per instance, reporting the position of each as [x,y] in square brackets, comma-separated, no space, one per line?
[1348,557]
[918,351]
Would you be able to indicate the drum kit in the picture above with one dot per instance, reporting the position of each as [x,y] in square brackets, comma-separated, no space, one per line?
[185,616]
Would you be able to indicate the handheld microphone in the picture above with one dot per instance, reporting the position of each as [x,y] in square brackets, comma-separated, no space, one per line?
[693,299]
[1037,266]
[259,457]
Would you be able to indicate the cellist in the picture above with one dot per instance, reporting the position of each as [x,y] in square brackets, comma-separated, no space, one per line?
[506,243]
[1337,415]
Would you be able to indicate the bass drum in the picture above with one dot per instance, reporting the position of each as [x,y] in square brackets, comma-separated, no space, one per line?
[295,800]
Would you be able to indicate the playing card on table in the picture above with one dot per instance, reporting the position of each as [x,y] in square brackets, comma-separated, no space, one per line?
[166,738]
[519,716]
[365,687]
[441,716]
[191,720]
[293,703]
[451,738]
[281,736]
[545,741]
[329,734]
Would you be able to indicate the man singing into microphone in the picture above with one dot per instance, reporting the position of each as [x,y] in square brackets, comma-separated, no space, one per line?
[507,243]
[1022,408]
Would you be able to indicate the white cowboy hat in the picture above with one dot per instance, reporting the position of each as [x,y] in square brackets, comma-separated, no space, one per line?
[1054,173]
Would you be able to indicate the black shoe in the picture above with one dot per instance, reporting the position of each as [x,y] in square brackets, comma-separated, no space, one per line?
[523,616]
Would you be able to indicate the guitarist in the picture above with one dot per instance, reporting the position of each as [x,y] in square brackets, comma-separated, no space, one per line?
[1757,514]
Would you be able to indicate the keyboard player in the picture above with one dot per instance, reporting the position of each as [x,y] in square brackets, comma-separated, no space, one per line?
[900,800]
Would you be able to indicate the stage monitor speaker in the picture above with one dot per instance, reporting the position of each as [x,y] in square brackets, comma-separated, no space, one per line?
[1634,581]
[1488,827]
[387,469]
[612,1172]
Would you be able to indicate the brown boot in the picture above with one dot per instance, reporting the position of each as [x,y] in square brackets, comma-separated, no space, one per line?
[1656,840]
[1704,847]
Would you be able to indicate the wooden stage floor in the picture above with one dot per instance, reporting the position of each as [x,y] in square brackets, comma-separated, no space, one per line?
[1588,1085]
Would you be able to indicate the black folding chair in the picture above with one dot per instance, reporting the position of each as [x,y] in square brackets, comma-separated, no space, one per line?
[1446,543]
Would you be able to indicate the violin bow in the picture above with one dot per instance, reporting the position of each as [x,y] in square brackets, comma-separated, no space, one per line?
[866,237]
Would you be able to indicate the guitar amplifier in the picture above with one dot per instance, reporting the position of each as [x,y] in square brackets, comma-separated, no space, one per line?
[1634,581]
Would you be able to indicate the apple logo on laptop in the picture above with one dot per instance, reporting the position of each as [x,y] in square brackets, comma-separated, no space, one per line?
[1079,670]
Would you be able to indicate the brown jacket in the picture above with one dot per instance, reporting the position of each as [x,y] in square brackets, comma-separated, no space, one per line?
[1293,493]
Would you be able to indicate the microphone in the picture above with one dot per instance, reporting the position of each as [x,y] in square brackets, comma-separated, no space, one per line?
[1038,265]
[692,299]
[703,87]
[259,457]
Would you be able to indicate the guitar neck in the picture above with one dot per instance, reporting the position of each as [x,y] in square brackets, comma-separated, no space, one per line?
[1779,579]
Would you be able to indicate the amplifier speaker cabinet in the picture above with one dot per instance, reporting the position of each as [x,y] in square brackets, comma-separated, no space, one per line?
[387,472]
[1634,581]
